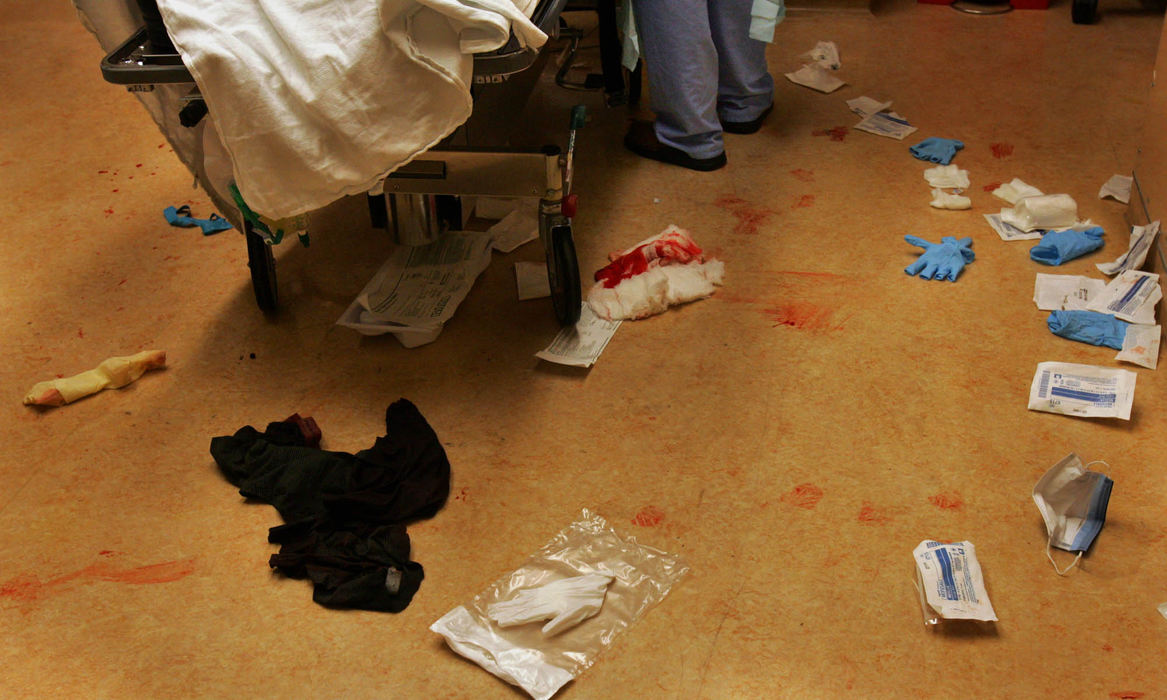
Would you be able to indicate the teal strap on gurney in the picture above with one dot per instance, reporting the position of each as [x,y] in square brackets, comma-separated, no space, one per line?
[261,225]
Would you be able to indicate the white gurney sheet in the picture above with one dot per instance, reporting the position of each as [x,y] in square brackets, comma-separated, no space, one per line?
[314,100]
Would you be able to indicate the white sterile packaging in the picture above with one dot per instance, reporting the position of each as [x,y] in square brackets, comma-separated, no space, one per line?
[1132,296]
[1011,233]
[1086,391]
[947,176]
[1047,211]
[1117,187]
[1016,190]
[1140,244]
[1140,345]
[815,77]
[866,106]
[950,583]
[945,200]
[588,551]
[1065,292]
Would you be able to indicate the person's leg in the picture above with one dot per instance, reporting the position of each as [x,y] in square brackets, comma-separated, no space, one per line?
[745,87]
[681,61]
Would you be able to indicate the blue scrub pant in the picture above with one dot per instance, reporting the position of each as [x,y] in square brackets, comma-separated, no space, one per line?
[702,67]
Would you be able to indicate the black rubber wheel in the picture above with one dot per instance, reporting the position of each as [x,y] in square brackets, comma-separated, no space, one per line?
[263,270]
[563,276]
[1083,11]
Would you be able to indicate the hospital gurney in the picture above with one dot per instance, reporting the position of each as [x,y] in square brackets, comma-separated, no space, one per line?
[420,199]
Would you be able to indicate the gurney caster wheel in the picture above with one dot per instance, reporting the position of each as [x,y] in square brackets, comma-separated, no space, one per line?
[263,270]
[1082,11]
[563,275]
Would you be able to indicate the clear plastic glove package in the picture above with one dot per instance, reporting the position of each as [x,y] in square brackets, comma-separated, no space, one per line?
[541,663]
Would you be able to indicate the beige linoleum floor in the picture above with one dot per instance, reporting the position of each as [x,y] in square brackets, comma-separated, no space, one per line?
[129,568]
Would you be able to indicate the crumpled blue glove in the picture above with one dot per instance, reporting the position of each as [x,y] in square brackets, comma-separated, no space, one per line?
[943,260]
[1089,327]
[1057,247]
[937,150]
[181,217]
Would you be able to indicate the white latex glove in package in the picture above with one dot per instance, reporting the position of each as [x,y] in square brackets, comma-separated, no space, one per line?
[595,584]
[1047,211]
[951,586]
[567,602]
[659,272]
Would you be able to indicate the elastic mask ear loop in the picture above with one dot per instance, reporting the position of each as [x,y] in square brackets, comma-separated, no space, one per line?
[1049,540]
[1050,555]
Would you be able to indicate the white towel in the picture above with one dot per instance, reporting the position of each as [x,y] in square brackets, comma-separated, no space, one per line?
[317,99]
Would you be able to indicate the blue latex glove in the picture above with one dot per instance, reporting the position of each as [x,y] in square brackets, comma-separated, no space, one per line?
[181,217]
[937,150]
[943,260]
[1057,247]
[1088,327]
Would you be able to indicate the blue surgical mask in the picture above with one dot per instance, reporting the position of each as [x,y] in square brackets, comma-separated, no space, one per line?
[1072,500]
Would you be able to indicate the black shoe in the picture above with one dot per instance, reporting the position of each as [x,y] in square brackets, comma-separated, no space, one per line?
[641,140]
[746,127]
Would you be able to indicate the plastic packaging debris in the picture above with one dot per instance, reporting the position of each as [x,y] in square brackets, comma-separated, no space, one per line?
[113,373]
[1047,211]
[1140,244]
[418,288]
[815,77]
[566,602]
[531,279]
[580,345]
[1010,233]
[1015,190]
[1141,345]
[495,208]
[1068,292]
[825,54]
[951,586]
[1132,296]
[1088,327]
[1082,390]
[878,120]
[1163,609]
[641,577]
[1117,187]
[947,176]
[945,200]
[659,272]
[1072,500]
[516,228]
[887,124]
[865,106]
